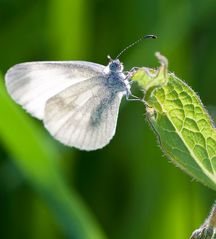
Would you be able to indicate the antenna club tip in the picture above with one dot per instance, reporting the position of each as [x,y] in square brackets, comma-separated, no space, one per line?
[150,36]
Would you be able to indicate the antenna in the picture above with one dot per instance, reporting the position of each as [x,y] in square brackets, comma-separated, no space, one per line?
[136,42]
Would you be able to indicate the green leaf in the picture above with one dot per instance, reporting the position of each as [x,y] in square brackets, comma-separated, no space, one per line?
[38,161]
[184,129]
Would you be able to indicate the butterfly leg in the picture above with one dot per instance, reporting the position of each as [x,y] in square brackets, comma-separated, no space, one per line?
[135,98]
[129,74]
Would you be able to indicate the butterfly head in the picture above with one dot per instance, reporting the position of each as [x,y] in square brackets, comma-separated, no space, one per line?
[115,65]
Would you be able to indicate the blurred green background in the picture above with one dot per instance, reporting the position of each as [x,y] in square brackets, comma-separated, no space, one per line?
[128,189]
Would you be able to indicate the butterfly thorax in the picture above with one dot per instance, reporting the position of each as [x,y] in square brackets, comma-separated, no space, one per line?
[116,79]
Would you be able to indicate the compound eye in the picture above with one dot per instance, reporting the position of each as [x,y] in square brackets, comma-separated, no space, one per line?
[113,66]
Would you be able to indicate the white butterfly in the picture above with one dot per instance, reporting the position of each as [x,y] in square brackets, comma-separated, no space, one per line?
[78,101]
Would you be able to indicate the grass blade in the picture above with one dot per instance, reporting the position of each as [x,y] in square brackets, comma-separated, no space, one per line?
[37,160]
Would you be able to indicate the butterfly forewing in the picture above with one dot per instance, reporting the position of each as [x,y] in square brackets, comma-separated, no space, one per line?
[84,115]
[32,84]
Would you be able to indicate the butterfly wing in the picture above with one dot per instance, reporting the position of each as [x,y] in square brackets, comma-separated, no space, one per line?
[84,115]
[32,84]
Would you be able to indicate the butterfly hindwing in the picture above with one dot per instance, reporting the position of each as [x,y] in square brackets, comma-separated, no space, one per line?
[84,115]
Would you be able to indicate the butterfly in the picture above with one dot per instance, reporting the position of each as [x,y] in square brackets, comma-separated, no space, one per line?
[78,101]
